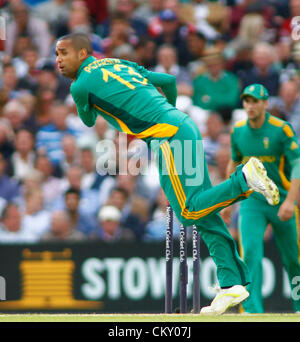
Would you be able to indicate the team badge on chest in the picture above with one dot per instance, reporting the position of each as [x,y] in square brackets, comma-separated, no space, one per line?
[266,142]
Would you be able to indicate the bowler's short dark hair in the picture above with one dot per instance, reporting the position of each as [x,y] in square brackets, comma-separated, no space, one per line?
[79,41]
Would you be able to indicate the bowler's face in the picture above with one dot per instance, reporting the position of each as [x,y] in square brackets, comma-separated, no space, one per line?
[67,58]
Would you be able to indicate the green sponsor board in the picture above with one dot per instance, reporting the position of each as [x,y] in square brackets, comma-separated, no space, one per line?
[114,278]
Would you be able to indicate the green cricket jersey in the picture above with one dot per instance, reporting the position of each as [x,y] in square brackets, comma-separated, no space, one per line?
[275,144]
[125,94]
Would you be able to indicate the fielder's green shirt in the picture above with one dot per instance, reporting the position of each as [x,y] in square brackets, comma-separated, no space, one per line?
[125,94]
[274,143]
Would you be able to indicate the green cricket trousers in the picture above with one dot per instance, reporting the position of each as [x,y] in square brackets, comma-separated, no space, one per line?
[184,178]
[254,218]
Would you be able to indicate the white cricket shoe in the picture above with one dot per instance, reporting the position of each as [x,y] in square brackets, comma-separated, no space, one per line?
[225,298]
[258,180]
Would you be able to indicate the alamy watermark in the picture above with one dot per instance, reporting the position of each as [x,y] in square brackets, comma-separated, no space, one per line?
[296,289]
[179,158]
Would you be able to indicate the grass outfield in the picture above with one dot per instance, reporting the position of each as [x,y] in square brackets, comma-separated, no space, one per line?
[148,318]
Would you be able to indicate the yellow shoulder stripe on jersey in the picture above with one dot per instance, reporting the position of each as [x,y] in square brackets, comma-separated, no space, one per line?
[288,131]
[161,130]
[275,121]
[241,123]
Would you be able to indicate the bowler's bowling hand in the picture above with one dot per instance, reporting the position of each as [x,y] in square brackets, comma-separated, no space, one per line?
[286,210]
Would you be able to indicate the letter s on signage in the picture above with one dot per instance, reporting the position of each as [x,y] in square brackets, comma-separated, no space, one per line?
[94,288]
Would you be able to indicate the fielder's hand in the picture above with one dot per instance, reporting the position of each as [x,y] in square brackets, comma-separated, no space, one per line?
[286,210]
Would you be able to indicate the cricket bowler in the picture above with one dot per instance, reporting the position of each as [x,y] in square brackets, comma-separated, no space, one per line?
[126,95]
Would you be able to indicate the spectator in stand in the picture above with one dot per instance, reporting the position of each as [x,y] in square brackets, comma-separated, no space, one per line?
[33,181]
[91,178]
[291,69]
[49,137]
[55,12]
[196,43]
[96,134]
[35,218]
[42,112]
[135,212]
[125,9]
[6,139]
[79,21]
[251,31]
[156,226]
[145,50]
[72,178]
[16,114]
[61,229]
[124,51]
[9,80]
[120,35]
[89,203]
[9,188]
[137,217]
[241,61]
[29,81]
[167,63]
[211,18]
[148,10]
[80,222]
[4,98]
[244,7]
[217,88]
[218,172]
[49,78]
[172,34]
[98,10]
[24,22]
[22,43]
[51,185]
[109,228]
[73,120]
[118,198]
[71,155]
[12,230]
[287,103]
[263,71]
[28,101]
[22,160]
[211,144]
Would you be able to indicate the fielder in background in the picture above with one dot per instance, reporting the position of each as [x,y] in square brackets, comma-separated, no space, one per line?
[125,94]
[274,142]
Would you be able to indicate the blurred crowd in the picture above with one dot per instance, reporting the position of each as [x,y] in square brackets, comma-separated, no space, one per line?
[60,180]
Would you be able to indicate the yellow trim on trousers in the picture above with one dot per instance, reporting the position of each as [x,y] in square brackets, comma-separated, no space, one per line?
[179,192]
